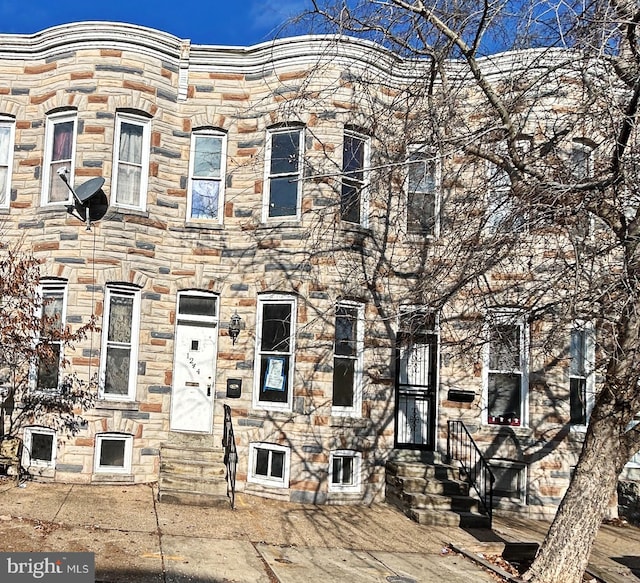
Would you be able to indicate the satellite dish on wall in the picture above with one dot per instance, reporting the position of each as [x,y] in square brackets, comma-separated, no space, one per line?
[90,202]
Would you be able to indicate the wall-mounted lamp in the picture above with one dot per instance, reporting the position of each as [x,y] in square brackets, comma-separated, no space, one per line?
[234,327]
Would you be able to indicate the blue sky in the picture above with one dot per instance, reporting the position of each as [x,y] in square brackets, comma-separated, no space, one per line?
[212,22]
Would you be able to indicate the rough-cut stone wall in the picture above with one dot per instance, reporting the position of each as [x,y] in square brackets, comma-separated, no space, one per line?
[242,93]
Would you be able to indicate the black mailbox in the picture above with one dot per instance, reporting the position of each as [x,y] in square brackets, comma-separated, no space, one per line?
[234,388]
[461,396]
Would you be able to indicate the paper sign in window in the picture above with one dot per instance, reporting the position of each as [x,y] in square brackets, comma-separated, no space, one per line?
[274,379]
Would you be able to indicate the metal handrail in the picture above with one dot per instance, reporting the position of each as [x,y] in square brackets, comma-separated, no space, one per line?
[230,455]
[462,447]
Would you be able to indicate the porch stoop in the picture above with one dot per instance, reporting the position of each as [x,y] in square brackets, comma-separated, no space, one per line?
[192,471]
[431,492]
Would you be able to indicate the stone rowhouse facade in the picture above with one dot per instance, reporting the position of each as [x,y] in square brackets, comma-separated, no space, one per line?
[99,76]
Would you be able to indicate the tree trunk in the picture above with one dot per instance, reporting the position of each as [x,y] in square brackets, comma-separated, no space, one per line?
[564,555]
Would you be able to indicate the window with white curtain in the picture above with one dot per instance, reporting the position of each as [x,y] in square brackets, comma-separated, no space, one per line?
[131,161]
[206,176]
[119,354]
[7,136]
[50,353]
[59,152]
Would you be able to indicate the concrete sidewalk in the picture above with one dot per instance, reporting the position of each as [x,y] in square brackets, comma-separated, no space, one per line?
[138,540]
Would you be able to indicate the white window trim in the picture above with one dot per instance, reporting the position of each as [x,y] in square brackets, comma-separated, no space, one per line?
[145,123]
[356,486]
[356,409]
[501,192]
[27,461]
[252,477]
[275,299]
[51,284]
[590,358]
[434,155]
[221,190]
[634,462]
[128,453]
[110,290]
[365,192]
[267,174]
[515,317]
[52,120]
[8,122]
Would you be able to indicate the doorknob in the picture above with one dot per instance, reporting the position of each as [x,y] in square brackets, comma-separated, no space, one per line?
[209,390]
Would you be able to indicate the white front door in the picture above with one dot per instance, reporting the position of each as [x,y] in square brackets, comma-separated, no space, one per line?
[194,364]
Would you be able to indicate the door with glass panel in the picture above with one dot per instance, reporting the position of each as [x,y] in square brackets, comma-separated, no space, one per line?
[416,378]
[196,344]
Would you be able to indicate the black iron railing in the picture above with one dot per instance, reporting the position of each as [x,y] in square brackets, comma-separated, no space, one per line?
[230,455]
[461,447]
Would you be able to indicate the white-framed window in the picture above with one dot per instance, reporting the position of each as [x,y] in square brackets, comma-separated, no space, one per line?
[505,369]
[355,160]
[283,170]
[7,139]
[275,349]
[113,453]
[59,152]
[581,373]
[634,462]
[53,293]
[120,336]
[269,464]
[40,446]
[511,480]
[501,212]
[423,200]
[345,471]
[348,359]
[131,161]
[205,201]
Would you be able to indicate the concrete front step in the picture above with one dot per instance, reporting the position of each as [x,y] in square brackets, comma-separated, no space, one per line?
[421,470]
[424,486]
[190,498]
[439,502]
[192,472]
[448,518]
[215,487]
[196,454]
[193,469]
[194,440]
